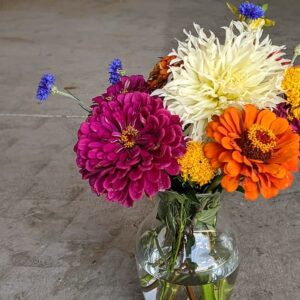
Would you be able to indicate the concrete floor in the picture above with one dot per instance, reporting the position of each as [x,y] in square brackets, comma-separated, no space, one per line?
[57,240]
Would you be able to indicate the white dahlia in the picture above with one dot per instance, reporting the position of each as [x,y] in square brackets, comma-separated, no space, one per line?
[245,69]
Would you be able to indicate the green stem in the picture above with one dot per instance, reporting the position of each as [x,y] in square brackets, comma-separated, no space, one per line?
[208,292]
[55,91]
[293,59]
[296,54]
[221,291]
[174,290]
[165,286]
[164,291]
[168,291]
[180,235]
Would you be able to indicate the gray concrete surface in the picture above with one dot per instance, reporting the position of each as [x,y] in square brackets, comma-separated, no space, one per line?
[57,240]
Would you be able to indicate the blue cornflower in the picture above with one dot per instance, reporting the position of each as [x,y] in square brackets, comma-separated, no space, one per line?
[114,69]
[251,11]
[45,86]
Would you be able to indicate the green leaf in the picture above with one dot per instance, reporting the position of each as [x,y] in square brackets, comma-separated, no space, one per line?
[173,196]
[192,266]
[160,250]
[242,18]
[207,216]
[214,184]
[162,210]
[190,241]
[269,23]
[265,7]
[171,222]
[233,8]
[146,280]
[147,242]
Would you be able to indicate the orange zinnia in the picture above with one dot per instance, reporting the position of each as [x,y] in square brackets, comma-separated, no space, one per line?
[255,148]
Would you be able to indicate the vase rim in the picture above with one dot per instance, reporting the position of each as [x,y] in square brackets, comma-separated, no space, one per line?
[209,194]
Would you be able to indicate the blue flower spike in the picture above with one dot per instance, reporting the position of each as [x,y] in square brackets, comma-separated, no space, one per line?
[251,10]
[254,15]
[45,86]
[115,71]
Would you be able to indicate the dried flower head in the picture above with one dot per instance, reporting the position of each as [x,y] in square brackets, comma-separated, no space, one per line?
[158,77]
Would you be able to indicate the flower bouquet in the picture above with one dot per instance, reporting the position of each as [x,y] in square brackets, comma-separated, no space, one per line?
[213,115]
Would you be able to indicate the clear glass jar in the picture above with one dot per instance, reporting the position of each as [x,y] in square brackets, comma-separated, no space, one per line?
[198,262]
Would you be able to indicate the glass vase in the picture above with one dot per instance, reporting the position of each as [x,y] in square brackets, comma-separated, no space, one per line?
[184,251]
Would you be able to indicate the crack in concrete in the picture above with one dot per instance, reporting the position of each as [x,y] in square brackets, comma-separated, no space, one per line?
[40,116]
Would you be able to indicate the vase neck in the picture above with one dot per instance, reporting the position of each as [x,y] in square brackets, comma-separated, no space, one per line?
[200,210]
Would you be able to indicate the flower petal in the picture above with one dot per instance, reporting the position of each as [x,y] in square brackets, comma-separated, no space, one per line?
[136,189]
[251,189]
[229,183]
[250,114]
[279,126]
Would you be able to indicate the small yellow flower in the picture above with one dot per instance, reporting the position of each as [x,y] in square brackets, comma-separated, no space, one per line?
[194,164]
[296,112]
[258,23]
[291,87]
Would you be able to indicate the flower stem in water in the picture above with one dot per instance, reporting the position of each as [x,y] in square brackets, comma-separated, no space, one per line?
[208,292]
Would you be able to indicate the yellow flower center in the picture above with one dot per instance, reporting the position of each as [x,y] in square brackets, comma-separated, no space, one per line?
[124,91]
[194,165]
[261,138]
[128,136]
[291,86]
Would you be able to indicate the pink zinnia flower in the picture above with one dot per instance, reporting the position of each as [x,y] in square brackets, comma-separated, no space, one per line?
[129,147]
[126,84]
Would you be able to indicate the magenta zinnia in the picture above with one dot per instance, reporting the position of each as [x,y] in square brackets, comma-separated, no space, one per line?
[126,84]
[129,146]
[283,110]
